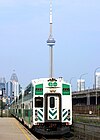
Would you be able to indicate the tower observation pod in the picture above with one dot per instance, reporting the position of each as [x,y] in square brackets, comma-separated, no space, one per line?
[51,42]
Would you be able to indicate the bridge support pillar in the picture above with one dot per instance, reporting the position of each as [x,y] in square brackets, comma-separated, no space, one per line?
[96,98]
[88,99]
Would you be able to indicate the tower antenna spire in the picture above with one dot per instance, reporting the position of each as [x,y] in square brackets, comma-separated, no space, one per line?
[51,42]
[51,18]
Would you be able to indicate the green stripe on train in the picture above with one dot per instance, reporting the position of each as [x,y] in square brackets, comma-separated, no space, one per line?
[39,89]
[40,114]
[65,89]
[52,112]
[65,114]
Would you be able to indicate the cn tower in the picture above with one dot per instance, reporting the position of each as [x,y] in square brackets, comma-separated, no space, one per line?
[51,42]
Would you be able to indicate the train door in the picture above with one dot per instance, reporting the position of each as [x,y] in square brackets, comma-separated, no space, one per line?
[53,107]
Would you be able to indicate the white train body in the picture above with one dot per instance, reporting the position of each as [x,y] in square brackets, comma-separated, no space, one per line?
[46,106]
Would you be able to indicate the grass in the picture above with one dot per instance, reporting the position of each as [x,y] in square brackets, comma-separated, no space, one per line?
[87,119]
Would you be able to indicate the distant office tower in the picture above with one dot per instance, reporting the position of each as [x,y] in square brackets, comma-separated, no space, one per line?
[15,85]
[97,79]
[12,88]
[9,88]
[9,91]
[2,80]
[3,85]
[80,84]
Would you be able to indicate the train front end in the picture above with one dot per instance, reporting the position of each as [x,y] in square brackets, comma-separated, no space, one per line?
[52,111]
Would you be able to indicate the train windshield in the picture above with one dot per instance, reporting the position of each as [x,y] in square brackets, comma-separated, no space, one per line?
[38,101]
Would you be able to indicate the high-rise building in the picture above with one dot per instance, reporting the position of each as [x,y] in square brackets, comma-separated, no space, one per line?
[80,84]
[9,88]
[3,85]
[15,84]
[9,91]
[12,88]
[2,80]
[97,79]
[3,91]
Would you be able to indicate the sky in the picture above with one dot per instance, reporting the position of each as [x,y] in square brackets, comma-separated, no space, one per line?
[24,30]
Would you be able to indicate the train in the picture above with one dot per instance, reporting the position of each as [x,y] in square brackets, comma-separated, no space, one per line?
[45,106]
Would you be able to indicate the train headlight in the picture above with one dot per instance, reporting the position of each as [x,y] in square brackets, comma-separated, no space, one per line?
[36,119]
[36,115]
[68,117]
[36,112]
[67,123]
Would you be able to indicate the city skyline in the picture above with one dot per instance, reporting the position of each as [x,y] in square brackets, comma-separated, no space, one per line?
[10,89]
[24,29]
[80,83]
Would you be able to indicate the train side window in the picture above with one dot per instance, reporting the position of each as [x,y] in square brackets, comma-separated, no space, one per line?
[52,102]
[26,113]
[22,105]
[38,101]
[19,111]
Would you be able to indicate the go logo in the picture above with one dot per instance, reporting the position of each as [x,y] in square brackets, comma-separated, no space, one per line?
[52,84]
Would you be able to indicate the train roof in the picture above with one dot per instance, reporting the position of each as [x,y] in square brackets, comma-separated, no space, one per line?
[60,79]
[44,80]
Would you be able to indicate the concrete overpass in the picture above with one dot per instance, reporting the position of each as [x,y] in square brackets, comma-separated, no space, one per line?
[86,97]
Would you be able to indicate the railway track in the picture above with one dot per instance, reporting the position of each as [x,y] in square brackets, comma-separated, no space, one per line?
[65,137]
[40,137]
[79,131]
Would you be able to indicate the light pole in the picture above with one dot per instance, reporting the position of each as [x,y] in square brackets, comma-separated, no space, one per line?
[95,84]
[81,78]
[95,77]
[71,80]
